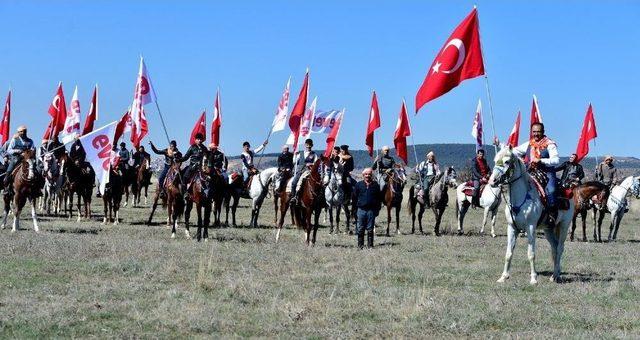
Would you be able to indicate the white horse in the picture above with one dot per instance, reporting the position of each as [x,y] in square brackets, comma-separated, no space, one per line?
[489,200]
[53,182]
[617,203]
[334,196]
[523,211]
[257,192]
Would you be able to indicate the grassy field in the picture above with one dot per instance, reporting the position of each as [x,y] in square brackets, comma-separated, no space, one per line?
[131,280]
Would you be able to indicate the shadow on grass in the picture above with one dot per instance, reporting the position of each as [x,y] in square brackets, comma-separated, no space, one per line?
[354,245]
[580,277]
[75,231]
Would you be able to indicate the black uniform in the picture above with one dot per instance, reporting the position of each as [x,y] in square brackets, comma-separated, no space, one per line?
[195,155]
[285,161]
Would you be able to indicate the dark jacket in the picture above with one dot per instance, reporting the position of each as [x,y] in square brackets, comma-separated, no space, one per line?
[368,198]
[139,156]
[76,152]
[347,165]
[217,160]
[476,174]
[195,154]
[570,172]
[168,160]
[383,163]
[285,161]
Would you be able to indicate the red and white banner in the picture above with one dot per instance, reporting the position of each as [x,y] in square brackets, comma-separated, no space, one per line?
[588,133]
[460,58]
[476,129]
[324,121]
[536,116]
[58,112]
[515,133]
[373,123]
[333,133]
[403,130]
[217,120]
[98,145]
[71,128]
[199,128]
[124,126]
[295,119]
[92,115]
[307,119]
[143,94]
[6,121]
[280,120]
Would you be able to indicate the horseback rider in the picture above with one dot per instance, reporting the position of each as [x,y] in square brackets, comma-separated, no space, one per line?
[52,145]
[427,171]
[170,154]
[139,156]
[124,156]
[195,155]
[346,160]
[541,153]
[308,158]
[606,172]
[79,157]
[480,172]
[248,168]
[285,160]
[572,172]
[19,143]
[382,164]
[217,161]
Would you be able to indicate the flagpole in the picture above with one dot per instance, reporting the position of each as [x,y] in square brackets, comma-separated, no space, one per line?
[486,78]
[164,126]
[413,142]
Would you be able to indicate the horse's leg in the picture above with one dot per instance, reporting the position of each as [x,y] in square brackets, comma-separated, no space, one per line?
[105,208]
[420,213]
[17,210]
[388,218]
[600,218]
[583,217]
[315,225]
[573,225]
[275,208]
[412,211]
[280,223]
[146,194]
[617,225]
[187,213]
[34,216]
[494,212]
[615,220]
[70,206]
[438,214]
[234,207]
[329,210]
[7,207]
[512,235]
[347,219]
[153,207]
[462,211]
[199,231]
[308,227]
[79,206]
[338,211]
[550,234]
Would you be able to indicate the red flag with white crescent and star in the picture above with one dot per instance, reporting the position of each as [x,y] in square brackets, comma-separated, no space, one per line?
[200,127]
[515,133]
[58,112]
[92,115]
[373,123]
[6,120]
[588,133]
[536,116]
[403,130]
[217,120]
[295,119]
[459,59]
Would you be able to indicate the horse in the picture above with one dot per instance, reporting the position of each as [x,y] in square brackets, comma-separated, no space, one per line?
[334,195]
[129,183]
[489,201]
[583,195]
[392,194]
[27,183]
[258,190]
[310,203]
[78,180]
[524,211]
[617,204]
[197,195]
[217,194]
[142,180]
[438,197]
[279,189]
[53,183]
[112,197]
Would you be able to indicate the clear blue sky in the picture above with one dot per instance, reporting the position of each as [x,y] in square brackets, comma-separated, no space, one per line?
[568,53]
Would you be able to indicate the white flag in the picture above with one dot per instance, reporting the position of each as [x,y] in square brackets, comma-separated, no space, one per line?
[324,121]
[307,119]
[477,129]
[72,123]
[98,145]
[280,120]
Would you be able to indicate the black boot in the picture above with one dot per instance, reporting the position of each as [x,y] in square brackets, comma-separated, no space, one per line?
[361,240]
[369,239]
[475,201]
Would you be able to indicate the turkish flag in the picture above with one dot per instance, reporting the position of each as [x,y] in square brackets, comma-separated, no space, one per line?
[217,121]
[515,133]
[122,126]
[139,128]
[58,112]
[460,58]
[200,127]
[373,124]
[403,130]
[6,119]
[536,116]
[333,134]
[588,133]
[295,118]
[92,115]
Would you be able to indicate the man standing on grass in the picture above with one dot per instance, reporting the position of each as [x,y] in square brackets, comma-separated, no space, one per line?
[368,200]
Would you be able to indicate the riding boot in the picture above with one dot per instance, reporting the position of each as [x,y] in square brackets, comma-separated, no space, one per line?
[361,240]
[370,239]
[475,201]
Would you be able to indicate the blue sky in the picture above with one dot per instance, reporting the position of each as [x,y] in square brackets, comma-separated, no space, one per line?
[568,53]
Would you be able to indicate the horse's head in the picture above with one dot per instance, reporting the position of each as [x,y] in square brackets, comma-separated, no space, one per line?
[507,167]
[48,161]
[398,175]
[635,187]
[30,161]
[452,177]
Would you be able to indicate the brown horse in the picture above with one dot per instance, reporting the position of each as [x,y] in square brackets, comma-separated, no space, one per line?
[438,197]
[392,195]
[582,198]
[129,183]
[174,200]
[142,181]
[79,180]
[217,193]
[279,189]
[112,197]
[309,205]
[27,183]
[198,197]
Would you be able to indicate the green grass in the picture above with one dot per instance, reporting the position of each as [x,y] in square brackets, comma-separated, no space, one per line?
[132,280]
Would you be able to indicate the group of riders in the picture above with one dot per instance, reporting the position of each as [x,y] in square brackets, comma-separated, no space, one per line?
[540,154]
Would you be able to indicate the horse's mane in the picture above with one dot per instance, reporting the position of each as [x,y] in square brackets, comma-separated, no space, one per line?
[595,184]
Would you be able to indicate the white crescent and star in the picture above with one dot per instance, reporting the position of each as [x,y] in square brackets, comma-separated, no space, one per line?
[462,53]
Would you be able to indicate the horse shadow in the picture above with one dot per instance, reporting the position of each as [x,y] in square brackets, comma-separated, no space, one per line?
[568,277]
[353,246]
[75,231]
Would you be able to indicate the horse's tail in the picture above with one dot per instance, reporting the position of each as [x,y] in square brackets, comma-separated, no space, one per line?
[410,206]
[457,206]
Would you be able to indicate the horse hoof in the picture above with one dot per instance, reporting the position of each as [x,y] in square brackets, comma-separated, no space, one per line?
[554,279]
[173,235]
[187,234]
[493,235]
[116,222]
[533,281]
[206,240]
[398,232]
[503,278]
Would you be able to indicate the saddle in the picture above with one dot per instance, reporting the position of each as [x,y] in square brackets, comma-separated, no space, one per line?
[539,180]
[468,188]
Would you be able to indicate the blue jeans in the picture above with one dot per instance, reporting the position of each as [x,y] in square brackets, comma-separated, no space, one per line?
[366,220]
[551,189]
[163,175]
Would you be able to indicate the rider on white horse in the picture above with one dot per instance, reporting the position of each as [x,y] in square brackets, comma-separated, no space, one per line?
[540,152]
[480,172]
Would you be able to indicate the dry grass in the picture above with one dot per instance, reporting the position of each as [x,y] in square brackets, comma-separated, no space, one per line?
[88,280]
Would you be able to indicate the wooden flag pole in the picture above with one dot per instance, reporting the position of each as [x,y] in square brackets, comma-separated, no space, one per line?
[486,78]
[164,126]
